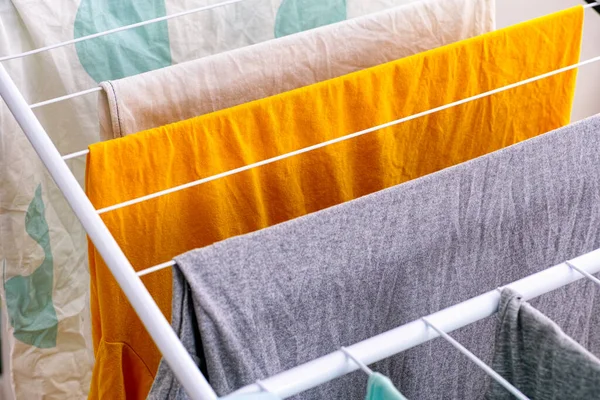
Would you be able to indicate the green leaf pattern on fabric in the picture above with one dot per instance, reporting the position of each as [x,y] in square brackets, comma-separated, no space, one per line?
[29,298]
[125,53]
[299,15]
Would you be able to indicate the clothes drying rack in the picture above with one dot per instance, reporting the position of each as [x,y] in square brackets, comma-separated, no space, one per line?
[315,372]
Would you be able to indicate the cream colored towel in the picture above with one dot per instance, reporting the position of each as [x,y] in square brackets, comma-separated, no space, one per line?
[225,80]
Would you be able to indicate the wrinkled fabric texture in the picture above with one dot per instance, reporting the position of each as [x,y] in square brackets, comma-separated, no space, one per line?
[165,386]
[380,387]
[225,80]
[536,356]
[155,231]
[45,290]
[48,333]
[253,21]
[273,299]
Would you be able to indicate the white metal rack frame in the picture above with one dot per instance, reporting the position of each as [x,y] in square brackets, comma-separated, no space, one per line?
[152,318]
[305,376]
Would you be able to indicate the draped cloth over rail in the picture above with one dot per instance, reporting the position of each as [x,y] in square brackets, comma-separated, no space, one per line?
[155,231]
[271,300]
[228,79]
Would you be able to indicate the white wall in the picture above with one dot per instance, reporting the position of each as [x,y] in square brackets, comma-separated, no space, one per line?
[587,95]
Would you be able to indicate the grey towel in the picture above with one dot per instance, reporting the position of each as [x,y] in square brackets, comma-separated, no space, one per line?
[538,358]
[268,301]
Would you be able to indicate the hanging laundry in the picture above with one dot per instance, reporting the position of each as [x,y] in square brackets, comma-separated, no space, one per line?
[154,231]
[65,370]
[225,80]
[538,358]
[308,286]
[380,387]
[166,386]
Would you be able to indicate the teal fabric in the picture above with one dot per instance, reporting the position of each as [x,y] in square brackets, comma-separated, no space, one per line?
[381,388]
[29,298]
[126,53]
[295,16]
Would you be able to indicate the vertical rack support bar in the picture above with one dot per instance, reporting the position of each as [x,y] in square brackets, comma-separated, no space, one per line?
[159,328]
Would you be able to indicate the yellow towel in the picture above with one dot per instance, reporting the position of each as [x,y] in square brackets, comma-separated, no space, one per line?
[154,231]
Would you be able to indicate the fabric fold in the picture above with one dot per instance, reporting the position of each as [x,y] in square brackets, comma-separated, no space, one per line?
[155,231]
[534,354]
[273,299]
[250,73]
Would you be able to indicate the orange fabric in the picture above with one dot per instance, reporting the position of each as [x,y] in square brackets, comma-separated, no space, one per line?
[157,230]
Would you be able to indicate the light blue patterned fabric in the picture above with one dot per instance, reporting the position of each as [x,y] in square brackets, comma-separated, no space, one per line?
[124,53]
[29,297]
[296,16]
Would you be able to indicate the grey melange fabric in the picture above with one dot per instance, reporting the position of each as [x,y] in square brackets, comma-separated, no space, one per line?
[268,301]
[538,358]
